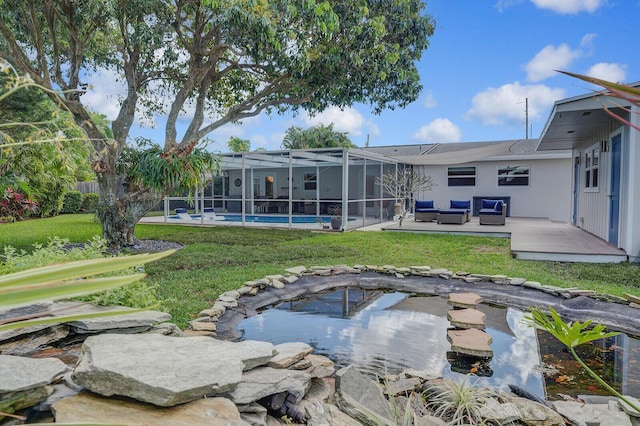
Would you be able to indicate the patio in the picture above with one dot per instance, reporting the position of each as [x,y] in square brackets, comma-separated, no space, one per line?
[531,238]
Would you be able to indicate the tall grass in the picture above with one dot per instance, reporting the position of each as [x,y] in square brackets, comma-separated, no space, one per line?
[217,259]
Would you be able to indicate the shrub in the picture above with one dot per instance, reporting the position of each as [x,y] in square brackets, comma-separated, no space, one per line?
[90,202]
[15,206]
[50,199]
[72,202]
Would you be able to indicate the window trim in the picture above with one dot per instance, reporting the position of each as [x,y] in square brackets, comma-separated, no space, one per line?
[591,166]
[515,166]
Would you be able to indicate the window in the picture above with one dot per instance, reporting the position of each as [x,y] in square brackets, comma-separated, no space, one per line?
[591,167]
[310,180]
[461,176]
[513,175]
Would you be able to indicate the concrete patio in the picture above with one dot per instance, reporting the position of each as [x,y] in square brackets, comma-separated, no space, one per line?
[531,238]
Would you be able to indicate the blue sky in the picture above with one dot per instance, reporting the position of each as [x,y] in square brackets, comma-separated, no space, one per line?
[485,58]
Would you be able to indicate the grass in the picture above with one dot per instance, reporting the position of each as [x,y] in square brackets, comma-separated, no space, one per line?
[217,259]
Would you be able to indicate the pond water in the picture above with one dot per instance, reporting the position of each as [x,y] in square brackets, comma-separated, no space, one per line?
[390,332]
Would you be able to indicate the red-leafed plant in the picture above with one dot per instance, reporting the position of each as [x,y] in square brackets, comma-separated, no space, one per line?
[15,206]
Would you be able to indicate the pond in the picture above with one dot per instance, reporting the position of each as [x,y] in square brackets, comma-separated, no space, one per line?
[391,331]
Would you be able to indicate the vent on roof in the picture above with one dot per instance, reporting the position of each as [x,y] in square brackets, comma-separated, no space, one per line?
[584,114]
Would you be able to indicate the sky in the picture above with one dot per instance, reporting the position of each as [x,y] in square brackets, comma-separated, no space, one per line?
[490,64]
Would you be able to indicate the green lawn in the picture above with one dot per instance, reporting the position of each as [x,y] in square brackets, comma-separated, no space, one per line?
[218,259]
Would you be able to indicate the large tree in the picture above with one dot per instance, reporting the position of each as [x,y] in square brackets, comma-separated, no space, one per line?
[315,137]
[222,60]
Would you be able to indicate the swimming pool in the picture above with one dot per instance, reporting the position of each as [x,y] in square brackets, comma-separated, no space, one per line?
[269,218]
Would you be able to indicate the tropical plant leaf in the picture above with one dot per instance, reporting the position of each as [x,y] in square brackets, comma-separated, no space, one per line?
[81,268]
[11,296]
[570,334]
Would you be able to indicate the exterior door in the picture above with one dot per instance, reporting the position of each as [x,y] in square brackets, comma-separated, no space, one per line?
[614,193]
[576,184]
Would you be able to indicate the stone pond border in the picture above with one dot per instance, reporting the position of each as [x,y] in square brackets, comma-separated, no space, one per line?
[208,318]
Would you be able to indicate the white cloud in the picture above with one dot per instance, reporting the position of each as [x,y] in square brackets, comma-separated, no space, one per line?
[505,105]
[440,130]
[501,5]
[616,73]
[569,7]
[428,101]
[550,58]
[348,120]
[587,40]
[104,93]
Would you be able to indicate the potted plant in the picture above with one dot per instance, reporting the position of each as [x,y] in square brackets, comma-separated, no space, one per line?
[336,216]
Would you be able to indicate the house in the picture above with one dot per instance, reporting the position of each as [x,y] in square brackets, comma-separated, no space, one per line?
[532,183]
[605,178]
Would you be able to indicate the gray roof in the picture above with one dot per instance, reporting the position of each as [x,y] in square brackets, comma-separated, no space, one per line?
[462,152]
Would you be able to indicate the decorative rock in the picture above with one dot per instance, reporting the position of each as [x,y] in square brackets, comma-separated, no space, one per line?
[254,291]
[320,414]
[277,284]
[470,342]
[16,401]
[533,413]
[253,414]
[634,305]
[230,295]
[166,329]
[498,413]
[202,325]
[518,281]
[244,290]
[296,270]
[218,309]
[421,374]
[464,300]
[31,342]
[161,370]
[627,408]
[265,381]
[135,322]
[321,366]
[290,279]
[361,398]
[229,304]
[277,277]
[399,275]
[533,284]
[252,283]
[467,318]
[462,273]
[440,271]
[33,372]
[578,413]
[402,386]
[86,407]
[472,279]
[289,353]
[632,298]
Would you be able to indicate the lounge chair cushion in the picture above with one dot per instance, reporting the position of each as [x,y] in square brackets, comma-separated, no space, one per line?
[178,211]
[424,204]
[425,207]
[457,204]
[498,207]
[489,204]
[490,212]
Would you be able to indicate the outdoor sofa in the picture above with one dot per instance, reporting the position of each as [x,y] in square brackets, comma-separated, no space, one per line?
[459,212]
[493,212]
[425,211]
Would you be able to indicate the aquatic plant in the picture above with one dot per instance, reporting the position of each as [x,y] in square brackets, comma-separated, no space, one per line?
[572,334]
[459,402]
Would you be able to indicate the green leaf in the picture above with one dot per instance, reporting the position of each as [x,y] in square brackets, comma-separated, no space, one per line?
[82,268]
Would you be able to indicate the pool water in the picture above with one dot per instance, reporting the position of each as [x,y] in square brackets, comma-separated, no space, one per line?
[268,218]
[389,332]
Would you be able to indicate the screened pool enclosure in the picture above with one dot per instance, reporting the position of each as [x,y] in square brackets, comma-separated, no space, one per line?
[320,182]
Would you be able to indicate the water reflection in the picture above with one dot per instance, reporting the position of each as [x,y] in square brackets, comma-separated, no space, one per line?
[381,332]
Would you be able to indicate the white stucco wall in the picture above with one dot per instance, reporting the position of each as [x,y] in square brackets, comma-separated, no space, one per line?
[548,194]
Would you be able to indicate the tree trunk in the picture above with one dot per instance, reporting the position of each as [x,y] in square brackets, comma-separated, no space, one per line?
[119,211]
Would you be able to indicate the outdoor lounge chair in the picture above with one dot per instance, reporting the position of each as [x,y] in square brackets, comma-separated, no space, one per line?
[210,214]
[425,211]
[493,212]
[459,212]
[183,215]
